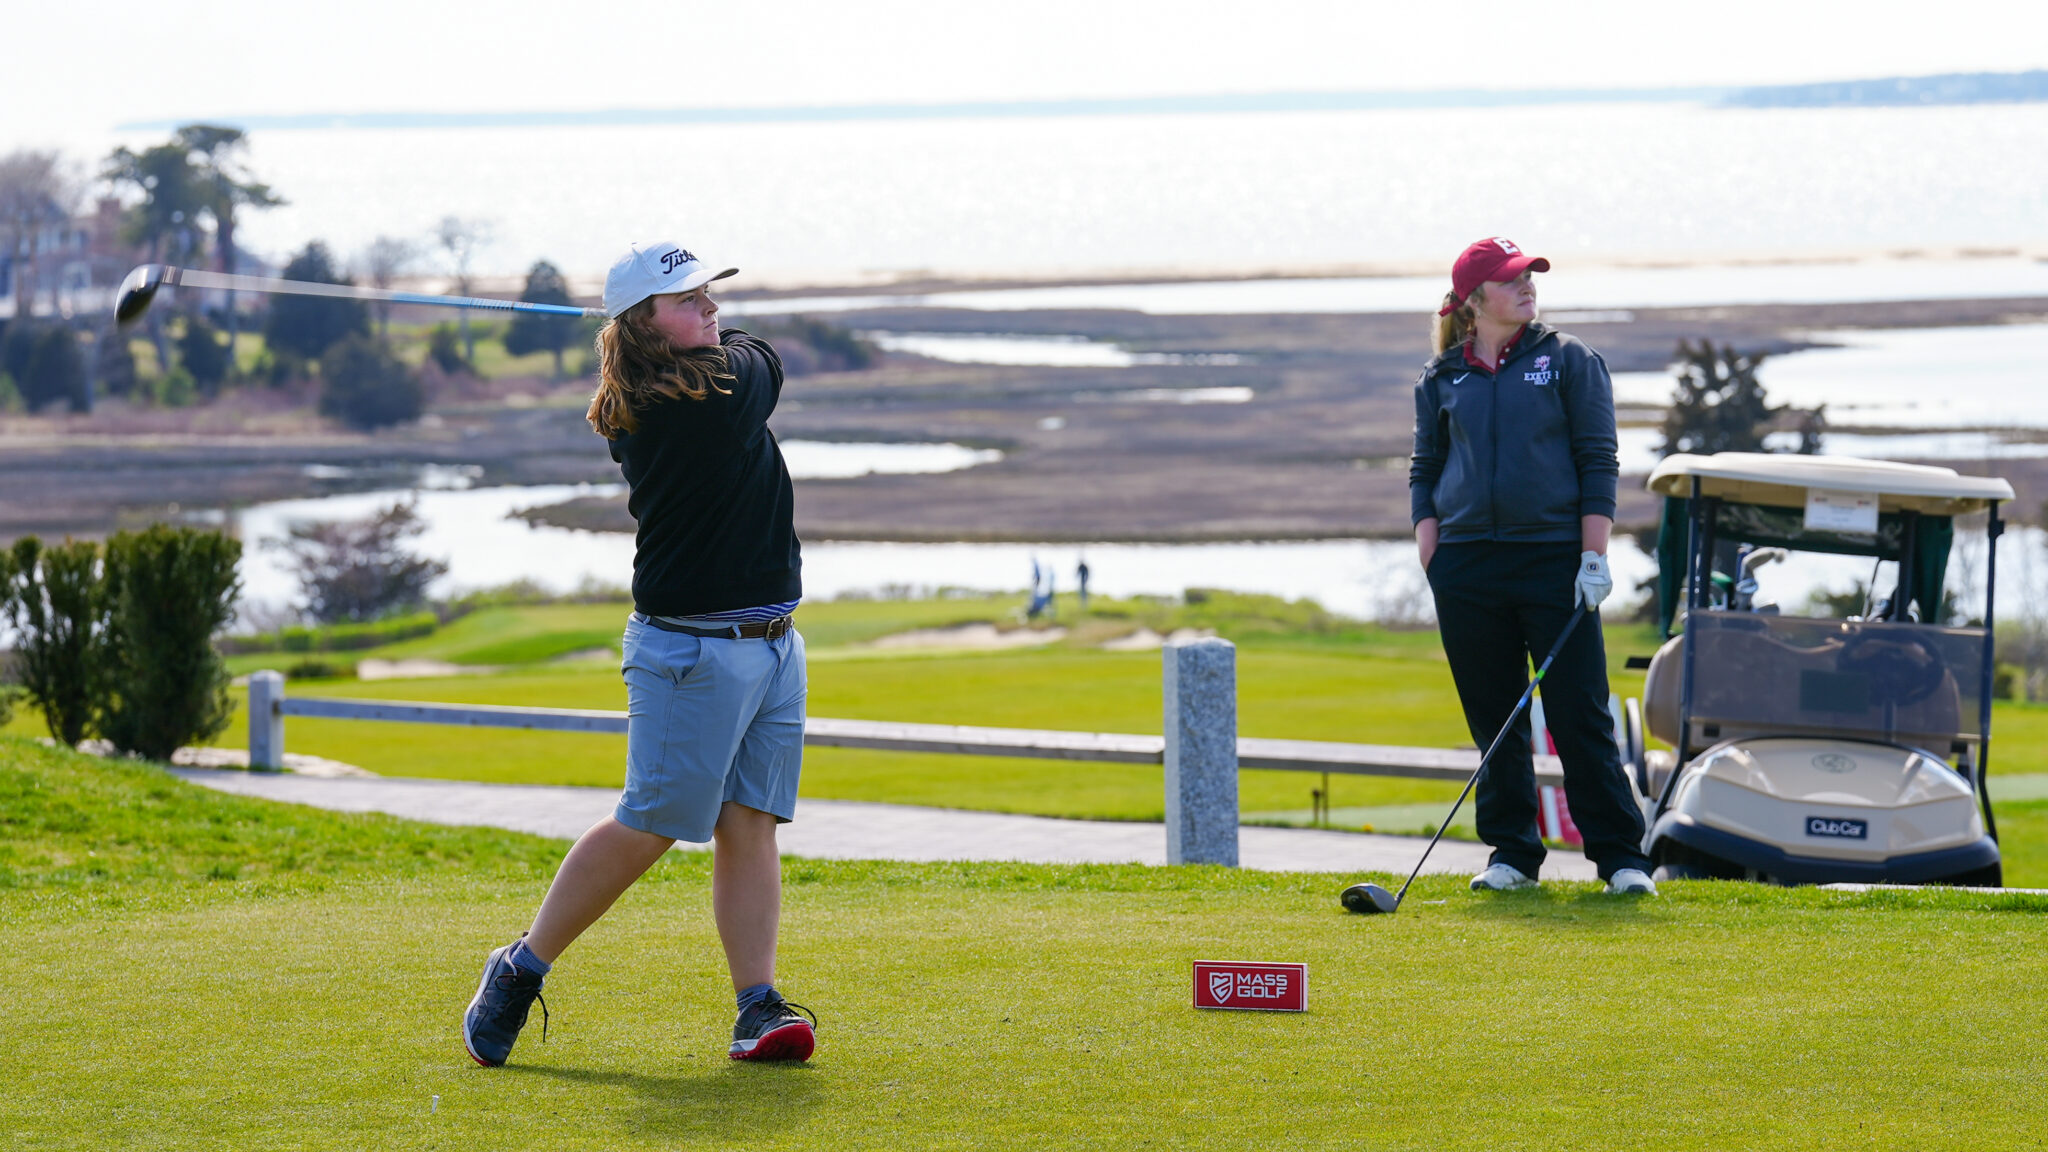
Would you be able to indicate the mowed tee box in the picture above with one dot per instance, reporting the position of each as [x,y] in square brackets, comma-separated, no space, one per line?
[1251,987]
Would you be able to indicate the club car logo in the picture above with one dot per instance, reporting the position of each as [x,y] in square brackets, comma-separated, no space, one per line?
[1258,987]
[1834,762]
[1837,829]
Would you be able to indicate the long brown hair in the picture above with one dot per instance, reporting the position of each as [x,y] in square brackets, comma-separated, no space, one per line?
[1455,328]
[638,366]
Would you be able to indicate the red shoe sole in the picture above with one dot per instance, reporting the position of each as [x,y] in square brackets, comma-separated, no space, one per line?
[789,1042]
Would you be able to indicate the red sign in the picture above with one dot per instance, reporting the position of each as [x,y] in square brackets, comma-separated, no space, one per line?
[1251,987]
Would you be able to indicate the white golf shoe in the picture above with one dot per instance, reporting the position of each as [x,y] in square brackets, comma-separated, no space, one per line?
[1502,878]
[1631,882]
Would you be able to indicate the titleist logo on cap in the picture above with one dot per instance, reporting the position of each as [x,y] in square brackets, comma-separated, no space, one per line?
[675,258]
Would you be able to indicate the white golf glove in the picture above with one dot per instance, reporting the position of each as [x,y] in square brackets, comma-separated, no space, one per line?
[1593,583]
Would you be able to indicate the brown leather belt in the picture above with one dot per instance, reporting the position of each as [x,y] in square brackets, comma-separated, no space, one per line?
[765,630]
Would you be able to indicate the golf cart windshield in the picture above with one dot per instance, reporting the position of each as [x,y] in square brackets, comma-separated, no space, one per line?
[1771,527]
[1916,684]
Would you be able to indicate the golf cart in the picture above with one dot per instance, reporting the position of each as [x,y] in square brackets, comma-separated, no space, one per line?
[1809,751]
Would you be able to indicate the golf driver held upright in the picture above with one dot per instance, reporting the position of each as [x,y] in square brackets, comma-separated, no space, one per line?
[1371,898]
[140,288]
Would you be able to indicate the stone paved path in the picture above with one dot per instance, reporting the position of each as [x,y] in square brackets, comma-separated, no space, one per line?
[850,830]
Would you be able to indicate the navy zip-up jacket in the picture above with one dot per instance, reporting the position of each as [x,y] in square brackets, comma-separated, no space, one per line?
[1517,454]
[710,495]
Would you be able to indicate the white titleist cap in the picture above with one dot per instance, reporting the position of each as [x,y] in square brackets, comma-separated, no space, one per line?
[655,269]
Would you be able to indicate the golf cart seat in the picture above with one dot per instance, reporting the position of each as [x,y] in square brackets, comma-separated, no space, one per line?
[1661,688]
[1774,676]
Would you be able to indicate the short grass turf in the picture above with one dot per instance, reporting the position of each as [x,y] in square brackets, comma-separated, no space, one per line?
[188,969]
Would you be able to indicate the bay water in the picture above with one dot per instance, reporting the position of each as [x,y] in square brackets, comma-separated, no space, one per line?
[1233,193]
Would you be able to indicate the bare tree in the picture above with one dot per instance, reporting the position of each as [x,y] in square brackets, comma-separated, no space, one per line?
[38,191]
[459,240]
[380,265]
[361,569]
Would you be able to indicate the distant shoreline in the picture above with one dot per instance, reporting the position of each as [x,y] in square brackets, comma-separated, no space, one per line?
[1894,91]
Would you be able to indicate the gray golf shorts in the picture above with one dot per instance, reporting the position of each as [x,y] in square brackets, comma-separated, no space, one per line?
[709,720]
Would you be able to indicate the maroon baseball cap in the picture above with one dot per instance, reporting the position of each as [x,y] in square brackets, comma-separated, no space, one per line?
[1495,258]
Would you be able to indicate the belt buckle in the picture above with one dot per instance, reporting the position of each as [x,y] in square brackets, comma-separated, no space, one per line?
[777,628]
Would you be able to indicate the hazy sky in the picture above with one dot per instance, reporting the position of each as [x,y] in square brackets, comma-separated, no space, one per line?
[73,70]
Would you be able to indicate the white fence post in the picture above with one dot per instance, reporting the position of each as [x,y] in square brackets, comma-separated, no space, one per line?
[266,721]
[1200,692]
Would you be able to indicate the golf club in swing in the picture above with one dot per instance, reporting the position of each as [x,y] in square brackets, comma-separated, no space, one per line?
[140,287]
[1371,898]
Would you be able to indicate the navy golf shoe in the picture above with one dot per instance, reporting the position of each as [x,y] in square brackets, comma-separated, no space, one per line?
[498,1011]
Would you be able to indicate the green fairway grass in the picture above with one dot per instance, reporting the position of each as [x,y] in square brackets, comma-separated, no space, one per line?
[193,970]
[1352,682]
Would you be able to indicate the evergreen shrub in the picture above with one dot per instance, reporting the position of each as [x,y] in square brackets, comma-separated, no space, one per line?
[168,590]
[367,386]
[55,601]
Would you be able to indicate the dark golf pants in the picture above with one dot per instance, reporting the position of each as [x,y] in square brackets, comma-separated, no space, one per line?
[1499,608]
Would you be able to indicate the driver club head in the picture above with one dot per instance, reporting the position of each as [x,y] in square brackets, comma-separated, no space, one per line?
[1369,898]
[136,293]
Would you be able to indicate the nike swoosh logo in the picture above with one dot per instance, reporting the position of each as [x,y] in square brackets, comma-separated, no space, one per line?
[1461,378]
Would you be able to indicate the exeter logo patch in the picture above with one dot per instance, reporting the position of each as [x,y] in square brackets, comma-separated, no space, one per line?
[1507,247]
[1251,986]
[1837,829]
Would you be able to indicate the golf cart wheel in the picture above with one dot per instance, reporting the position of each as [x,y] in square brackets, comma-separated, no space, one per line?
[1678,862]
[1989,876]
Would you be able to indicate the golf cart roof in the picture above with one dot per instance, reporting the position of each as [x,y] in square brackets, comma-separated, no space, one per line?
[1783,479]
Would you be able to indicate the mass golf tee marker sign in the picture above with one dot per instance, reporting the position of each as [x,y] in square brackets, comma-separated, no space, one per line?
[1251,987]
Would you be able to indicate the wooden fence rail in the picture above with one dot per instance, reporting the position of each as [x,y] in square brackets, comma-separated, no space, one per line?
[1192,781]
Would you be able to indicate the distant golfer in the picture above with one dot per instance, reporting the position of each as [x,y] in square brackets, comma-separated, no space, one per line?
[1512,494]
[714,672]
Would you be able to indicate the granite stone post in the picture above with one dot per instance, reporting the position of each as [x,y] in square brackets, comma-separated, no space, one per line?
[266,721]
[1201,752]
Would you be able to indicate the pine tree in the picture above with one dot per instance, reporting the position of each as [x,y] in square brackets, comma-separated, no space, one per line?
[1718,405]
[533,332]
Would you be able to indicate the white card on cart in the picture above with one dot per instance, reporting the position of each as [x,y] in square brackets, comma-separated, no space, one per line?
[1840,511]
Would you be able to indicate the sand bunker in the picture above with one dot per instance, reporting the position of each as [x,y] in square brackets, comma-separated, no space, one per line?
[1145,639]
[417,669]
[971,636]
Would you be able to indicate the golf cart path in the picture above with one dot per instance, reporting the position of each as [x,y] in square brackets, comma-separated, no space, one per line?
[854,830]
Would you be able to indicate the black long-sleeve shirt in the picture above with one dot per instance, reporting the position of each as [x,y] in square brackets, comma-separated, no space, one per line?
[711,496]
[1519,453]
